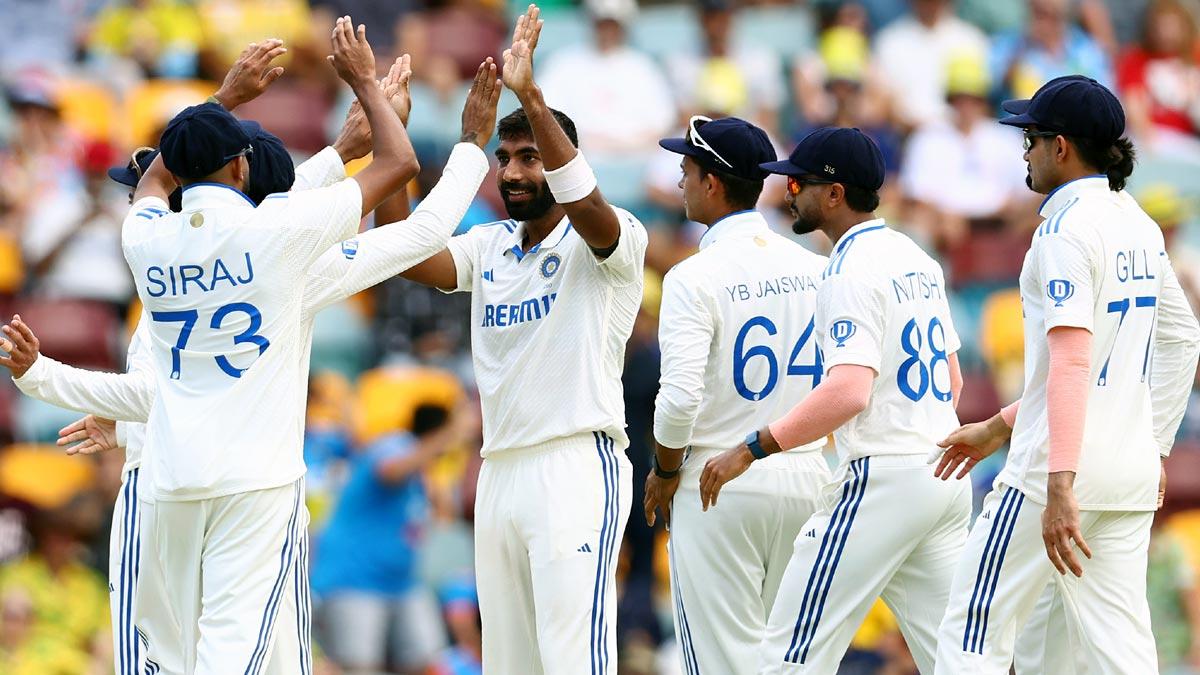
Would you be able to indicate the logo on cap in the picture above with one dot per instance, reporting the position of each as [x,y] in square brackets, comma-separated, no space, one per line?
[841,331]
[830,170]
[1060,290]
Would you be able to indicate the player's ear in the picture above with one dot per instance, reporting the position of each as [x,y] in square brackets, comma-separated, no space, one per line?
[837,194]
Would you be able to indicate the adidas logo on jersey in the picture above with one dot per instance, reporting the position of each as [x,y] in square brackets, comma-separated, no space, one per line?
[812,534]
[986,515]
[586,548]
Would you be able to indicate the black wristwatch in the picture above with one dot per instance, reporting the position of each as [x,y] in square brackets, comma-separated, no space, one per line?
[663,473]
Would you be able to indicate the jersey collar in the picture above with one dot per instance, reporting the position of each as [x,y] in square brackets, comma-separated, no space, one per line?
[1063,193]
[513,242]
[736,224]
[865,226]
[213,195]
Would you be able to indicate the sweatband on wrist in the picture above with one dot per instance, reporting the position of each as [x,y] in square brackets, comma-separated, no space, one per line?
[571,181]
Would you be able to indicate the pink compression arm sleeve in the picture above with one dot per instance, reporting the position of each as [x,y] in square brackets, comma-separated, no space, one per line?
[1067,394]
[1009,413]
[843,394]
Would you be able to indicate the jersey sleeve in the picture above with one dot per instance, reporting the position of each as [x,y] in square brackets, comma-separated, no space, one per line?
[382,253]
[321,170]
[465,250]
[624,265]
[314,220]
[138,221]
[853,319]
[1176,350]
[685,332]
[1066,269]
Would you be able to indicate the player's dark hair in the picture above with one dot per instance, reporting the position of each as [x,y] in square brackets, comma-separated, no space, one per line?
[429,417]
[740,193]
[860,199]
[1114,160]
[516,125]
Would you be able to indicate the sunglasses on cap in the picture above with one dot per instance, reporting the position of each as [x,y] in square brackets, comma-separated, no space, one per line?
[249,150]
[134,165]
[795,184]
[694,138]
[1030,136]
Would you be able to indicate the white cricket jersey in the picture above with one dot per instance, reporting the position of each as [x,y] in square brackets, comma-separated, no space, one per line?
[882,304]
[737,335]
[222,284]
[549,328]
[1097,262]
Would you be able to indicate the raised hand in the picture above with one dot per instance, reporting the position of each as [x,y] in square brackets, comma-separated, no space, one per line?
[395,87]
[354,140]
[90,435]
[518,59]
[479,113]
[251,74]
[21,344]
[352,57]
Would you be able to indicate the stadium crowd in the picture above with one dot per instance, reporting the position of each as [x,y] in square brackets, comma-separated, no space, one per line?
[393,428]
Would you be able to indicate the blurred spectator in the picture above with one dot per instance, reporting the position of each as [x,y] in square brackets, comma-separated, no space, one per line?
[69,600]
[40,33]
[460,603]
[1168,208]
[72,243]
[618,97]
[912,53]
[966,168]
[162,36]
[24,652]
[743,80]
[1049,46]
[1174,602]
[381,18]
[230,25]
[1159,81]
[371,610]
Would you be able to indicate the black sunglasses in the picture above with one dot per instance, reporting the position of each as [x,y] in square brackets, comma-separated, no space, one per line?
[1031,135]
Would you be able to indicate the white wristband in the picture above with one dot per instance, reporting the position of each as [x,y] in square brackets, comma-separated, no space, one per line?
[571,181]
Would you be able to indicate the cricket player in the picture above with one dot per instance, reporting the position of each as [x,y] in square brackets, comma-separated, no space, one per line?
[739,348]
[555,291]
[1110,350]
[885,527]
[341,271]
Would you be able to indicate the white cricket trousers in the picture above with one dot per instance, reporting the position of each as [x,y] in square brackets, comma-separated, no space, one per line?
[1004,571]
[548,525]
[223,587]
[726,564]
[888,529]
[124,546]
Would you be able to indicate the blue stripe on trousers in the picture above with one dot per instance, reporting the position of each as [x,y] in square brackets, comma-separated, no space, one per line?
[685,631]
[123,619]
[607,544]
[286,556]
[816,577]
[987,609]
[984,575]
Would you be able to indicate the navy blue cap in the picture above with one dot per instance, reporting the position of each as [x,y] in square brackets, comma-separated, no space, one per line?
[734,146]
[202,139]
[1072,105]
[836,154]
[271,167]
[128,174]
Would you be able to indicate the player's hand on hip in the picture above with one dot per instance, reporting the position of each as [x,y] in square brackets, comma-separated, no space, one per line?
[22,347]
[967,446]
[352,57]
[659,493]
[479,113]
[90,435]
[720,470]
[251,74]
[1060,524]
[395,87]
[518,59]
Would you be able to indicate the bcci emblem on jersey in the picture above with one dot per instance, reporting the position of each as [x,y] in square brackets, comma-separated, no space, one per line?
[841,331]
[551,264]
[350,248]
[1060,290]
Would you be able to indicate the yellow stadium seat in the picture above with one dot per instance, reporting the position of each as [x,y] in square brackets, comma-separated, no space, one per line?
[1002,341]
[387,398]
[151,105]
[91,109]
[12,271]
[42,475]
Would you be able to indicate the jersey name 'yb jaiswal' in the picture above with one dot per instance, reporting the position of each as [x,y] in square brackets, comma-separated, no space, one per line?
[767,287]
[175,280]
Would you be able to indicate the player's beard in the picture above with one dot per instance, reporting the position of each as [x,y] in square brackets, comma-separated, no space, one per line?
[805,222]
[535,208]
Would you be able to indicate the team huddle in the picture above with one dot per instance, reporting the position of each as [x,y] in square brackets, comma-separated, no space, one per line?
[769,353]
